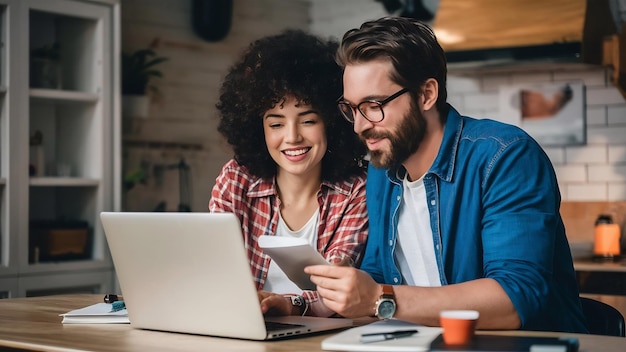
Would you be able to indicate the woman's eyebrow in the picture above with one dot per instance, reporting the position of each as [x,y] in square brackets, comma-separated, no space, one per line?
[307,112]
[303,113]
[274,115]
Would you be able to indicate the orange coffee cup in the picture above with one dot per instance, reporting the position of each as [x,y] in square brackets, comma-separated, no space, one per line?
[458,326]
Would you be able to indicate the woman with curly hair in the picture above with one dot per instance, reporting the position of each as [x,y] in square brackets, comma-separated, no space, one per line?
[298,167]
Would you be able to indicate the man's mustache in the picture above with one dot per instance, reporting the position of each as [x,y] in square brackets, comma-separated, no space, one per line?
[372,134]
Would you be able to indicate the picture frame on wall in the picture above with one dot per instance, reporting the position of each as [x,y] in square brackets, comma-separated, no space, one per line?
[552,113]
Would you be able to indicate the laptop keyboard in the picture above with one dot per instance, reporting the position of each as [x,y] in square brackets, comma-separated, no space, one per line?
[274,326]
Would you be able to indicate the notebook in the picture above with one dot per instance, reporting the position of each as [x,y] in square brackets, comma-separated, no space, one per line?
[350,340]
[189,273]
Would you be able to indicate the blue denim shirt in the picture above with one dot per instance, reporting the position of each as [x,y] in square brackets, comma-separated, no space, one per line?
[494,204]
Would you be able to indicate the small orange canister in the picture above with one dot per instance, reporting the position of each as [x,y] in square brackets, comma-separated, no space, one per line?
[606,244]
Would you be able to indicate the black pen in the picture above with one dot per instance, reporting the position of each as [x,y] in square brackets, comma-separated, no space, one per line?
[383,336]
[110,298]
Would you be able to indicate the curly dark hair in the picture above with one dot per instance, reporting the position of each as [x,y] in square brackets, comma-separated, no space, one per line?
[292,63]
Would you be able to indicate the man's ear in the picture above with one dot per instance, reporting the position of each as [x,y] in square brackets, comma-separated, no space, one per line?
[430,93]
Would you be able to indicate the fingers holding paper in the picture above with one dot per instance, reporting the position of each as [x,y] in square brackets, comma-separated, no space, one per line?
[348,291]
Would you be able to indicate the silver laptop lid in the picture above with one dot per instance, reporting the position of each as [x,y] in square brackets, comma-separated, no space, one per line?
[189,273]
[185,272]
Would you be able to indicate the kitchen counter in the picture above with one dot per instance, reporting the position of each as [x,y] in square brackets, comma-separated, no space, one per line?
[602,278]
[605,266]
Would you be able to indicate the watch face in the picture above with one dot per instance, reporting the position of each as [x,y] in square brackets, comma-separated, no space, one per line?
[386,309]
[297,301]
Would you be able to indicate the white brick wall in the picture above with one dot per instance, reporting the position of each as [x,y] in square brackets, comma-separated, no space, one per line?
[596,115]
[570,174]
[584,192]
[617,154]
[593,172]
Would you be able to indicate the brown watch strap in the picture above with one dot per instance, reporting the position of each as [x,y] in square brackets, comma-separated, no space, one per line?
[299,303]
[387,291]
[387,295]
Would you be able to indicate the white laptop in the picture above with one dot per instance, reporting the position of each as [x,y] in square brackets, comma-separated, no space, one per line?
[189,273]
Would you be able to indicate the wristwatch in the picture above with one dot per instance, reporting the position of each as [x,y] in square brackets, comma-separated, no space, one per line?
[298,301]
[386,304]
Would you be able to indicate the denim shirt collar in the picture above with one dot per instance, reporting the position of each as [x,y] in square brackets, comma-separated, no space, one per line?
[444,163]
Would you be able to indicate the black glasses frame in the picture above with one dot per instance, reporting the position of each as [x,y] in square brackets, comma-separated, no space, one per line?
[380,103]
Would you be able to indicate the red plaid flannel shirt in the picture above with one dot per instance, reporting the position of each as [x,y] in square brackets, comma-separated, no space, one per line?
[343,222]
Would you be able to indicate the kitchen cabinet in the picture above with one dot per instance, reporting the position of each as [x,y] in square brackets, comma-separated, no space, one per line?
[59,144]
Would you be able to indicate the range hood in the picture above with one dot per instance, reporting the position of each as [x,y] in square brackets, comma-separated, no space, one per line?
[486,33]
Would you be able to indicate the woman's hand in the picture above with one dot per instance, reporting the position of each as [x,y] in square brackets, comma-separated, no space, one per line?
[273,304]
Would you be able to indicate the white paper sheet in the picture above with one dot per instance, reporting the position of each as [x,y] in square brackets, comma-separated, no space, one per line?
[292,255]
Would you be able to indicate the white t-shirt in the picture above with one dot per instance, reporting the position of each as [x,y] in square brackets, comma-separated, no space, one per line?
[414,252]
[277,281]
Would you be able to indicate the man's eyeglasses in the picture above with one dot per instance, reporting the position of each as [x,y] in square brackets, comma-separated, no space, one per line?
[372,110]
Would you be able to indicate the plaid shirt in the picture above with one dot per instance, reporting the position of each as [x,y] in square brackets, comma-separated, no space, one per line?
[343,222]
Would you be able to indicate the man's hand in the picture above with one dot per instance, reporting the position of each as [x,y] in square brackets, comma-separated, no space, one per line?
[273,304]
[348,291]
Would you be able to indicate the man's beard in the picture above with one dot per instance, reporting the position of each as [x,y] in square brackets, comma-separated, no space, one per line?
[403,142]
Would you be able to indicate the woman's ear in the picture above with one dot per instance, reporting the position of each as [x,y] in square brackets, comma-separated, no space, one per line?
[430,93]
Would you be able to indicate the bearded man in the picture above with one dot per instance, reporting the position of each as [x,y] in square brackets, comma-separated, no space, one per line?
[464,213]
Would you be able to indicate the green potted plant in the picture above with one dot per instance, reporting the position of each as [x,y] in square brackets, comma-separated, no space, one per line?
[138,70]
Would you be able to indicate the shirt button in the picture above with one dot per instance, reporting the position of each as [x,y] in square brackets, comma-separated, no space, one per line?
[398,198]
[395,279]
[390,243]
[432,202]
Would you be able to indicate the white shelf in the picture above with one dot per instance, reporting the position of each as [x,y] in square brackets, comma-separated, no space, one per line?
[77,130]
[63,95]
[63,182]
[66,265]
